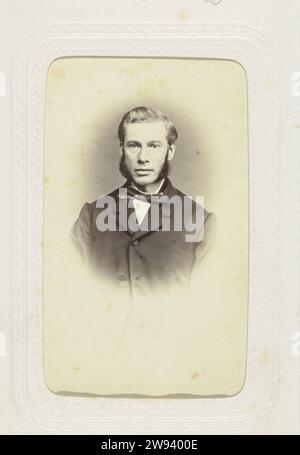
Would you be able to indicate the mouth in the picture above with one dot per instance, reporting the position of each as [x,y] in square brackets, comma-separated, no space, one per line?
[143,171]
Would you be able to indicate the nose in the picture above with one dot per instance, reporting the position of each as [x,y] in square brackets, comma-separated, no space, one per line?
[143,155]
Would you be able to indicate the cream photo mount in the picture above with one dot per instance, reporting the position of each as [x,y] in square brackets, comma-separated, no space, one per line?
[140,415]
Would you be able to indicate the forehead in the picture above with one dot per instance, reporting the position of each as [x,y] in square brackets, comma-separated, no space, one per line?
[146,131]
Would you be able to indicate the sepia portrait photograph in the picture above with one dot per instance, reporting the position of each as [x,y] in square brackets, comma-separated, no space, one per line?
[145,227]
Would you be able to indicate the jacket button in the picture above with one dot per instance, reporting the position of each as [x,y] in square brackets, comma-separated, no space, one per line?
[135,242]
[122,277]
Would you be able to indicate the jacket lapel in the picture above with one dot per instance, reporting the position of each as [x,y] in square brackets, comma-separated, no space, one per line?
[161,210]
[156,215]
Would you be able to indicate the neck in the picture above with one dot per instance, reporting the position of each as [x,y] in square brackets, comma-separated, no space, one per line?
[151,187]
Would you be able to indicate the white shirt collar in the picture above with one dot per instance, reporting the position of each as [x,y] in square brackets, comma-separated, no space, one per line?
[143,192]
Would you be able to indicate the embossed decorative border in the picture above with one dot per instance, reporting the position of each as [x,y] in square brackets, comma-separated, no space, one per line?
[118,415]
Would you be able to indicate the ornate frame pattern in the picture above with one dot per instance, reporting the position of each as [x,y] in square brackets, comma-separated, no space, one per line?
[115,415]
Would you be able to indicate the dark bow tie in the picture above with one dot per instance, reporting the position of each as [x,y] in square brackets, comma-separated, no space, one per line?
[135,193]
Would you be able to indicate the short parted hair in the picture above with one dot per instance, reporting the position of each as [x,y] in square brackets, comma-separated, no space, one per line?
[142,114]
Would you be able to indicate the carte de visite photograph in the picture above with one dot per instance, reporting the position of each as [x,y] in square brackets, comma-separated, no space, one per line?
[145,227]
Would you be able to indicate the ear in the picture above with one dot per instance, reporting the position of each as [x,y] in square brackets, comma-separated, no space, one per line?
[171,152]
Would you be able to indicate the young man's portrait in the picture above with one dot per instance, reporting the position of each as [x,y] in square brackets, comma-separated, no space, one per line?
[139,236]
[145,227]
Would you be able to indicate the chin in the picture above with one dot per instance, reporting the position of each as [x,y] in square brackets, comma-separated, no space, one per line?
[143,180]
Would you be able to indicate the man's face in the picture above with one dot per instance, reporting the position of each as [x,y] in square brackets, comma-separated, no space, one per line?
[145,150]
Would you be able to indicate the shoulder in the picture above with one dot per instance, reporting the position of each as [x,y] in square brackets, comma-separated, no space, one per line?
[100,202]
[196,203]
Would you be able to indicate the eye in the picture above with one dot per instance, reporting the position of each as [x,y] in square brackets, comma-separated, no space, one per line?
[132,145]
[154,146]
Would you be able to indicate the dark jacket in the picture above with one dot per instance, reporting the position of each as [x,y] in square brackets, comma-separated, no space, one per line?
[145,260]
